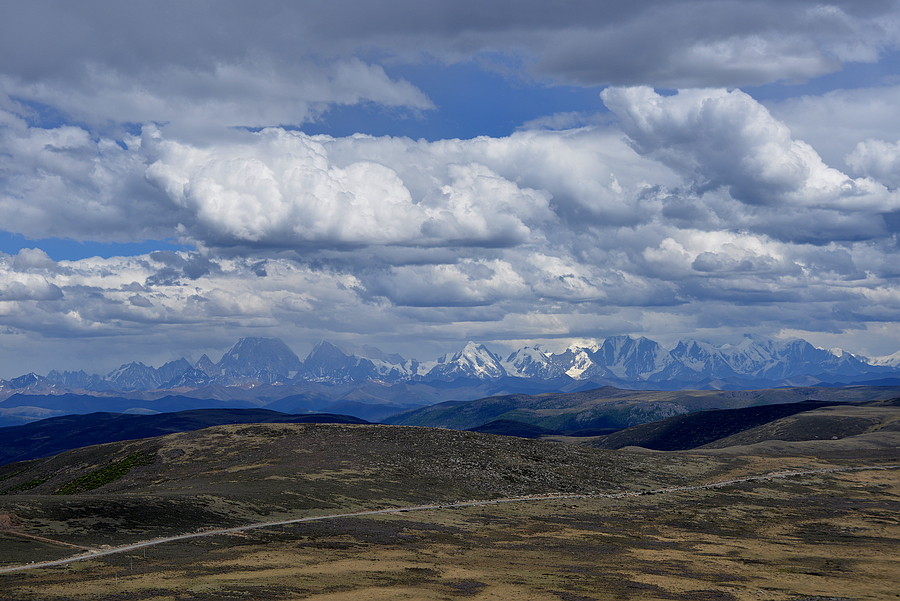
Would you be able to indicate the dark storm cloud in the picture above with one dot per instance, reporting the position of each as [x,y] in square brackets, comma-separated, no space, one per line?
[170,61]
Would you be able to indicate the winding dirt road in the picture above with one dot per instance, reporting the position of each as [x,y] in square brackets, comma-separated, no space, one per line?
[92,553]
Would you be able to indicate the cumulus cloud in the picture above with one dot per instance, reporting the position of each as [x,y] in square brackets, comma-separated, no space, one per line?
[700,159]
[728,140]
[178,266]
[697,212]
[283,189]
[29,288]
[33,259]
[688,206]
[877,159]
[467,283]
[61,182]
[835,122]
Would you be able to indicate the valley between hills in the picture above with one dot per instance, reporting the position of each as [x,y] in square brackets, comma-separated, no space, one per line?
[323,511]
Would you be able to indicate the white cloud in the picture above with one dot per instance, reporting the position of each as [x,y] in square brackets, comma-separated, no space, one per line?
[727,139]
[29,259]
[466,283]
[544,234]
[283,189]
[560,278]
[61,182]
[877,159]
[835,122]
[697,44]
[703,211]
[28,287]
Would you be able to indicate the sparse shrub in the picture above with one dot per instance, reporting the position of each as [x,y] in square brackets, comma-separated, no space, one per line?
[15,473]
[108,474]
[33,483]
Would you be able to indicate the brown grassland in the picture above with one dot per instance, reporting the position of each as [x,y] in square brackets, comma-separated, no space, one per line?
[817,536]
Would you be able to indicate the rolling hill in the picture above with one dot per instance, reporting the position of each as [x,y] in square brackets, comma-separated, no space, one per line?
[345,511]
[57,434]
[717,429]
[613,408]
[670,419]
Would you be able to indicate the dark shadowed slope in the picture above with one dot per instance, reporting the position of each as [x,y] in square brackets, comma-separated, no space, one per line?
[510,427]
[720,428]
[54,435]
[613,408]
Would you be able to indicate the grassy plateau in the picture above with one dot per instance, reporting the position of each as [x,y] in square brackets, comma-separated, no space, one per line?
[589,523]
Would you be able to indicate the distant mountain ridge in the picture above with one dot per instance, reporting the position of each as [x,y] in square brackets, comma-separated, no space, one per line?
[621,361]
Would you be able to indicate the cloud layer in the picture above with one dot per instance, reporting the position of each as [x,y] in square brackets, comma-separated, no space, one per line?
[701,211]
[695,212]
[200,66]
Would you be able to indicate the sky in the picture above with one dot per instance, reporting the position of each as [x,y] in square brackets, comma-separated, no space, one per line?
[414,175]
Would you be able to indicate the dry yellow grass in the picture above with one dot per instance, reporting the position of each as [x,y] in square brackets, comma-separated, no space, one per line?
[817,536]
[830,536]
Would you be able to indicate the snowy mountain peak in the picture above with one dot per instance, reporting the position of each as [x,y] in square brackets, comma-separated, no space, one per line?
[532,362]
[578,363]
[589,345]
[620,361]
[344,362]
[474,361]
[628,357]
[30,380]
[888,360]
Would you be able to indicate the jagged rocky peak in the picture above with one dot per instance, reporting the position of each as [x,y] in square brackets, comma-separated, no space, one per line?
[369,352]
[344,362]
[72,379]
[206,365]
[250,356]
[628,350]
[528,354]
[617,361]
[192,377]
[328,347]
[702,358]
[172,369]
[324,356]
[621,357]
[133,376]
[30,380]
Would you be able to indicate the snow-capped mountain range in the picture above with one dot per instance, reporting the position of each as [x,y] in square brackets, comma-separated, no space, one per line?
[620,361]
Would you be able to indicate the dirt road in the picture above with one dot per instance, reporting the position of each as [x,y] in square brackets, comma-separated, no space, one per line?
[92,553]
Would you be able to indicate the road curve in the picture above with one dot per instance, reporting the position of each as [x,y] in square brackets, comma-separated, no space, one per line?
[547,497]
